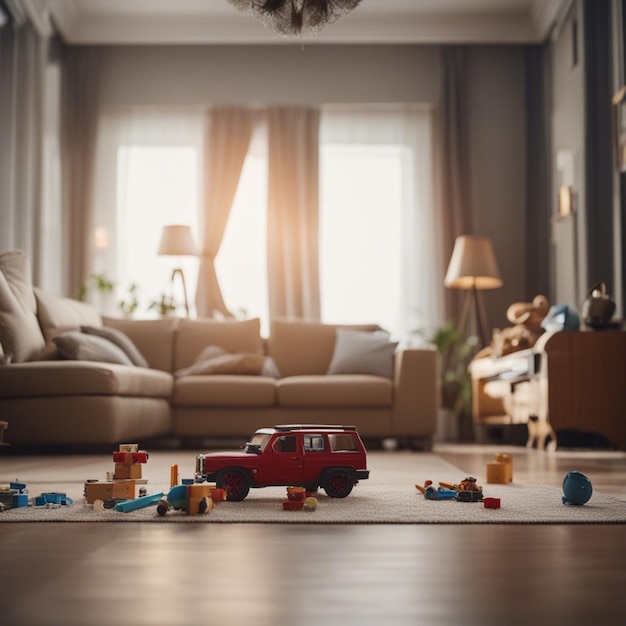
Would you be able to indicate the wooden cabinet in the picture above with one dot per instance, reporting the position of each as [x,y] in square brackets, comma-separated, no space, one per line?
[577,380]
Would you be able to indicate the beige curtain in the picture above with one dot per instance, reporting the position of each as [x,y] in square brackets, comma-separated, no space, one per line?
[293,213]
[229,132]
[80,128]
[453,179]
[22,73]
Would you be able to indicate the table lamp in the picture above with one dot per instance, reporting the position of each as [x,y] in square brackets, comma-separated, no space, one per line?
[473,267]
[177,240]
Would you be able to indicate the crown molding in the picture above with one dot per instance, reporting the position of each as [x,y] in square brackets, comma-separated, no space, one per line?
[109,22]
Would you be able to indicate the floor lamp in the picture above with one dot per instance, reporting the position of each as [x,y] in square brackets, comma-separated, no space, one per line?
[177,240]
[473,267]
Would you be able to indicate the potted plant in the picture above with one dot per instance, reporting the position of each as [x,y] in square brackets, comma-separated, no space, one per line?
[129,305]
[165,307]
[456,352]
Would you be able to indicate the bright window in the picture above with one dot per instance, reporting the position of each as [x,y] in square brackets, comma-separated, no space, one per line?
[360,232]
[157,185]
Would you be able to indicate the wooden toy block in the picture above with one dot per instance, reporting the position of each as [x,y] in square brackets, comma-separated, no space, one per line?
[124,471]
[507,460]
[116,490]
[497,473]
[129,447]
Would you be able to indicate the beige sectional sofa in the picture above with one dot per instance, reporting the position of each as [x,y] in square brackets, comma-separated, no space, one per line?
[199,378]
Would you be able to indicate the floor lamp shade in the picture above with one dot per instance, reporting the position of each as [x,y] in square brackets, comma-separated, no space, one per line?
[177,240]
[473,267]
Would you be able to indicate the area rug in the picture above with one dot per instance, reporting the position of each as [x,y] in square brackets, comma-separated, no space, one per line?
[388,497]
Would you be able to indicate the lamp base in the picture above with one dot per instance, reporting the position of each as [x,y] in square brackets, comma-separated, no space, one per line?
[474,298]
[178,270]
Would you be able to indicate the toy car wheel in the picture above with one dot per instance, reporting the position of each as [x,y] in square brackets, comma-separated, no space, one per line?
[162,508]
[337,483]
[235,482]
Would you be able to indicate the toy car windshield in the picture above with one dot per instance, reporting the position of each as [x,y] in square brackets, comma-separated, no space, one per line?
[257,444]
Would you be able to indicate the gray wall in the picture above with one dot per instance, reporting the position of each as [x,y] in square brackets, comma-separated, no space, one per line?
[286,74]
[568,141]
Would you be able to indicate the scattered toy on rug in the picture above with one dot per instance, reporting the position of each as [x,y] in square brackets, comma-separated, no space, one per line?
[465,491]
[332,457]
[577,488]
[432,493]
[13,495]
[501,469]
[298,498]
[122,482]
[194,498]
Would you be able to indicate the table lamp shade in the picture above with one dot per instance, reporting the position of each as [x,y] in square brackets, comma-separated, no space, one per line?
[473,265]
[177,240]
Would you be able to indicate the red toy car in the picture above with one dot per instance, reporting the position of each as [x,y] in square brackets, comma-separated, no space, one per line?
[311,456]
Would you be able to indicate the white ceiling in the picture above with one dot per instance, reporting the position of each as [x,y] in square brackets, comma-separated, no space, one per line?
[218,22]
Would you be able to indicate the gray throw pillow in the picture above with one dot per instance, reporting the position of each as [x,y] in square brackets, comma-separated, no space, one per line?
[78,346]
[359,352]
[121,340]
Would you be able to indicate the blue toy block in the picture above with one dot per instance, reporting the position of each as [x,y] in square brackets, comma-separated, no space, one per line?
[138,503]
[19,500]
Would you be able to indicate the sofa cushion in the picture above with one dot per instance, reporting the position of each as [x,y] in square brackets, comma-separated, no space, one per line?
[58,315]
[78,346]
[121,340]
[233,336]
[84,378]
[153,338]
[20,335]
[303,347]
[334,391]
[358,352]
[225,391]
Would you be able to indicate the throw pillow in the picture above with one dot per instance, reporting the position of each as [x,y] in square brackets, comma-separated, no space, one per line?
[121,340]
[359,352]
[78,346]
[58,314]
[237,364]
[20,335]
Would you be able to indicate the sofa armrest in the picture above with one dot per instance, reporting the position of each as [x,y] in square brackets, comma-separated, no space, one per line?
[416,392]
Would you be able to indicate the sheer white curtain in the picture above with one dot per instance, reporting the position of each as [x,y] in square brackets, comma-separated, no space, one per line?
[148,174]
[404,237]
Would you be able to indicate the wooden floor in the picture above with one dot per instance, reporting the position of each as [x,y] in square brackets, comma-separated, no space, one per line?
[275,575]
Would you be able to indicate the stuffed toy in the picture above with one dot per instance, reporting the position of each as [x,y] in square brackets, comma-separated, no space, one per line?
[526,318]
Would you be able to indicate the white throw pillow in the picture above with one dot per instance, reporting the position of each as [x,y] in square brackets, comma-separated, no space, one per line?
[359,352]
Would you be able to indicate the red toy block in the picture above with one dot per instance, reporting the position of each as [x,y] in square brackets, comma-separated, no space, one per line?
[491,503]
[293,505]
[296,493]
[128,458]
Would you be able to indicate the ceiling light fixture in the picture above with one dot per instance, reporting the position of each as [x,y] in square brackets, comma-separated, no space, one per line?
[292,17]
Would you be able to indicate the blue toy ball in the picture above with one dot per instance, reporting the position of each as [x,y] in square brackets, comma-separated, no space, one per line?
[577,488]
